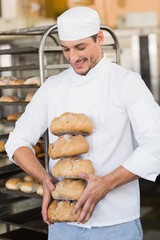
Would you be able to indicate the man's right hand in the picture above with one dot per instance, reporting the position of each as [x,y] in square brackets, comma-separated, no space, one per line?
[48,186]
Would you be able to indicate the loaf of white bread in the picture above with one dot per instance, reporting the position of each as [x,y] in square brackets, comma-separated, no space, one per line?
[67,146]
[71,123]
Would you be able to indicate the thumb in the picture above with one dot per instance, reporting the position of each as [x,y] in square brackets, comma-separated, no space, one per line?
[84,176]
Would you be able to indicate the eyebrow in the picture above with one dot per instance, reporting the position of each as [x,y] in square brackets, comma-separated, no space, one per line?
[78,45]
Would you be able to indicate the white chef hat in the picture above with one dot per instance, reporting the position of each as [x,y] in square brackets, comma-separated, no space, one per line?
[77,23]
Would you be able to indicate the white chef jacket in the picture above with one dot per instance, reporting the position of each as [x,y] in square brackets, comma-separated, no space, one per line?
[126,129]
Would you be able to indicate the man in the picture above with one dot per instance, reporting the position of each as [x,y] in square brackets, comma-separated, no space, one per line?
[125,144]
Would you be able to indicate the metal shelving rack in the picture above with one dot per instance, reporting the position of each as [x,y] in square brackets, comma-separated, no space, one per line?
[28,221]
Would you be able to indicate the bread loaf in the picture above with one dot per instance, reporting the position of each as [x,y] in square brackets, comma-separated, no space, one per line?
[28,178]
[40,190]
[67,146]
[14,116]
[17,81]
[9,99]
[29,96]
[69,189]
[2,146]
[71,123]
[29,187]
[33,80]
[71,167]
[61,211]
[13,183]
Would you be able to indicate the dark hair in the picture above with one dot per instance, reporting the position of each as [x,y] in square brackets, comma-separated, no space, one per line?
[94,37]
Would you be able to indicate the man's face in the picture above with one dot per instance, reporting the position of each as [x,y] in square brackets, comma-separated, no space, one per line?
[83,54]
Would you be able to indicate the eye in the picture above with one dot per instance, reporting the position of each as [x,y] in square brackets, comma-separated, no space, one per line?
[66,49]
[81,48]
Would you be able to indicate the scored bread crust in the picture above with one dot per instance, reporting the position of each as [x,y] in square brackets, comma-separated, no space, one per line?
[61,211]
[71,123]
[67,146]
[71,167]
[69,189]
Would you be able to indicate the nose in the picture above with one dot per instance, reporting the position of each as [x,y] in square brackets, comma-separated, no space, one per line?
[73,57]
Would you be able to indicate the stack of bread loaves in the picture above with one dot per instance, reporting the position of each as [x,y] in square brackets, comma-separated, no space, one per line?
[71,129]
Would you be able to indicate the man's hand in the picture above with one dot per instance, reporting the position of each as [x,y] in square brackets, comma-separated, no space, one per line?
[48,186]
[96,190]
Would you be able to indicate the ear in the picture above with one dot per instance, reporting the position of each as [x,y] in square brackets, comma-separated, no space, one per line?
[100,37]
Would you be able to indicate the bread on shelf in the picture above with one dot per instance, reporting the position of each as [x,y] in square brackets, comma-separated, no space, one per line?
[71,123]
[9,99]
[68,145]
[33,80]
[29,187]
[13,183]
[14,116]
[40,190]
[2,146]
[29,96]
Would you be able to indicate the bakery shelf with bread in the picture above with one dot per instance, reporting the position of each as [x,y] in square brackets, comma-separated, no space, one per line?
[21,184]
[71,129]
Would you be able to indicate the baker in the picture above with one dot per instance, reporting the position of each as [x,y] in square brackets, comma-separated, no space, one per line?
[124,146]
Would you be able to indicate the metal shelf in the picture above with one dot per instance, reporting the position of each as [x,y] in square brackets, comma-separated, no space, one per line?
[20,103]
[19,68]
[19,86]
[23,234]
[30,219]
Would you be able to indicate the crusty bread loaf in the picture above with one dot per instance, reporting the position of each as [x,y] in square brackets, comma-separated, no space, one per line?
[13,183]
[70,167]
[67,146]
[17,81]
[2,146]
[33,80]
[14,116]
[40,190]
[69,189]
[61,211]
[7,80]
[29,187]
[9,99]
[29,96]
[71,123]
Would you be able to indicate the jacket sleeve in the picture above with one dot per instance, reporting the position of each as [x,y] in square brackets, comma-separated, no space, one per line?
[144,116]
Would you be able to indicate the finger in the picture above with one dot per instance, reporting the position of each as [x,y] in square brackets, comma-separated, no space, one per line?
[80,202]
[45,204]
[89,214]
[86,212]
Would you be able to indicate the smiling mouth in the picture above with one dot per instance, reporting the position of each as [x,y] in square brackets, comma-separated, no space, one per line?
[79,64]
